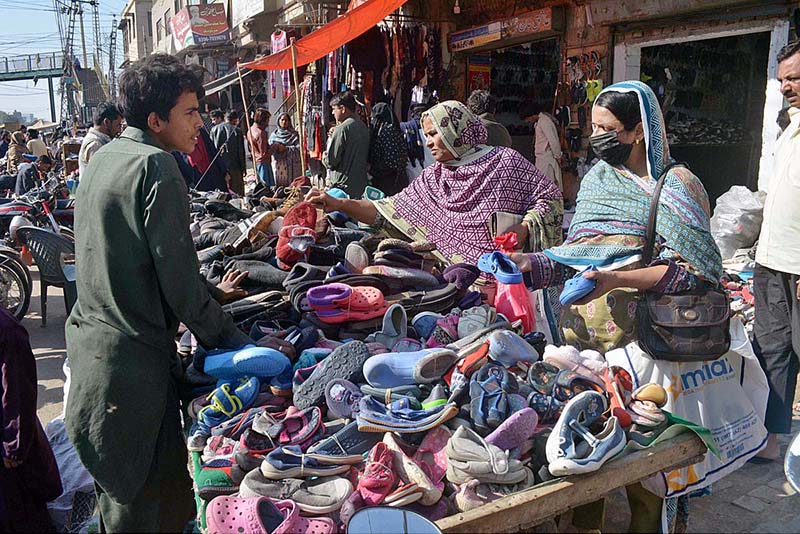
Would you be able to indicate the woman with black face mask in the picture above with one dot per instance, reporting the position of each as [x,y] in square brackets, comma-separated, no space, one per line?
[608,232]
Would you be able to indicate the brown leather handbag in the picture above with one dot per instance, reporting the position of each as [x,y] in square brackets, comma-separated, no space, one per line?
[690,326]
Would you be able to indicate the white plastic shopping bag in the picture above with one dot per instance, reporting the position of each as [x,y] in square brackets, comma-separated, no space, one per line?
[728,396]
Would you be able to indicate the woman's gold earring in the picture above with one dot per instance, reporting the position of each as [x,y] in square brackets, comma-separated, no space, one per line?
[638,141]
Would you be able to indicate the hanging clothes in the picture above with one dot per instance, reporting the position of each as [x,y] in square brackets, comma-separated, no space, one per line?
[279,41]
[434,63]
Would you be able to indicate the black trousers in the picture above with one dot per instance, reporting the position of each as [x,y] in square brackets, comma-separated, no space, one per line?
[777,342]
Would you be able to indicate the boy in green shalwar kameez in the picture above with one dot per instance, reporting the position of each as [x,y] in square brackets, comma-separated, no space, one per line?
[137,276]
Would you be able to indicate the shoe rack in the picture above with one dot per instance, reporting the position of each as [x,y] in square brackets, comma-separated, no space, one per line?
[710,91]
[523,74]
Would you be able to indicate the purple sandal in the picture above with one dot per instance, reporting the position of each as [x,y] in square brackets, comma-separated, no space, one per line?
[326,297]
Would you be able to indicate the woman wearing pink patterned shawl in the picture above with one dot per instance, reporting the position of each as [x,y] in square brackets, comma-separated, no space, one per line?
[451,203]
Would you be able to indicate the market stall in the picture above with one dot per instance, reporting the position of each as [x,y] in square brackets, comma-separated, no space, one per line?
[717,133]
[341,56]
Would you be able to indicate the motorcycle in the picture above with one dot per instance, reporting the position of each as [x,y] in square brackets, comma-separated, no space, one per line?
[40,207]
[15,283]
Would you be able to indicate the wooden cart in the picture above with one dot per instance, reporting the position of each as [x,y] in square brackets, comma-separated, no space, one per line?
[534,506]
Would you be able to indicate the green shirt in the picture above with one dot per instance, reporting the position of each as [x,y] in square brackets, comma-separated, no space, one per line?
[137,277]
[346,157]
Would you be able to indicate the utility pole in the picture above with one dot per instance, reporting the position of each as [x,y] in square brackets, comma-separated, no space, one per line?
[83,40]
[98,56]
[112,58]
[67,101]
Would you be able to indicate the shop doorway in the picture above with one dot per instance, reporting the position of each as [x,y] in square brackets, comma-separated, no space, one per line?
[632,52]
[712,93]
[523,74]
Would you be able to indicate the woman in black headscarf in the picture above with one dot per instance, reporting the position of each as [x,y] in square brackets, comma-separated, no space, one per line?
[388,154]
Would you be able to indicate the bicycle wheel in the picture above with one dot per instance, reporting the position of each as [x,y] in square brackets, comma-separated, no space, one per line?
[15,294]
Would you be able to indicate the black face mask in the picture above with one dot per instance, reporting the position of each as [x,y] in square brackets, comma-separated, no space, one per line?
[609,149]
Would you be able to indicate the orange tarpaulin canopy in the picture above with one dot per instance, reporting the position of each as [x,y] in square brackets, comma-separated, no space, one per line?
[336,33]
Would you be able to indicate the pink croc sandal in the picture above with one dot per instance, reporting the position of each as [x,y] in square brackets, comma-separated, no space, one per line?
[261,515]
[234,514]
[361,299]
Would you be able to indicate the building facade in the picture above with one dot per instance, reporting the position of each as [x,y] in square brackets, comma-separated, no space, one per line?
[711,63]
[137,30]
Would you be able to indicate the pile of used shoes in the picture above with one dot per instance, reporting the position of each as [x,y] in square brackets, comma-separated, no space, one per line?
[375,378]
[394,422]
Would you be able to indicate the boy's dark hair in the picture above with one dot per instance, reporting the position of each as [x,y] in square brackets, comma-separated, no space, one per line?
[44,160]
[154,84]
[345,99]
[789,50]
[105,110]
[33,133]
[217,114]
[231,115]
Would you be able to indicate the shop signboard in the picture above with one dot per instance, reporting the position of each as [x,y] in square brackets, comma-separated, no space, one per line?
[479,73]
[209,23]
[241,10]
[181,29]
[532,25]
[200,24]
[475,37]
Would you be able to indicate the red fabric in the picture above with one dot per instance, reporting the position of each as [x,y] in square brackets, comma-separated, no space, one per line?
[301,181]
[333,35]
[199,157]
[303,215]
[507,242]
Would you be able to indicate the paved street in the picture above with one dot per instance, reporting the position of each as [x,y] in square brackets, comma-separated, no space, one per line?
[756,498]
[50,349]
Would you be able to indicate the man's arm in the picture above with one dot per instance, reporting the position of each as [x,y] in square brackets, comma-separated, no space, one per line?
[166,223]
[333,156]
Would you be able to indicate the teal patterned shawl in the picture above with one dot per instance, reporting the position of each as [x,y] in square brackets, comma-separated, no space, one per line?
[613,202]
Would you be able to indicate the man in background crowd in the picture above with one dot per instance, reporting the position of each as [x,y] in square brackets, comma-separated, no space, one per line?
[777,274]
[35,145]
[546,143]
[107,125]
[30,175]
[259,143]
[228,138]
[348,149]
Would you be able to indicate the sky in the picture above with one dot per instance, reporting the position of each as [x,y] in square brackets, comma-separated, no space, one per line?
[29,27]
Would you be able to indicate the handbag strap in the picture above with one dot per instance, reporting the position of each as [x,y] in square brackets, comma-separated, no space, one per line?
[650,235]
